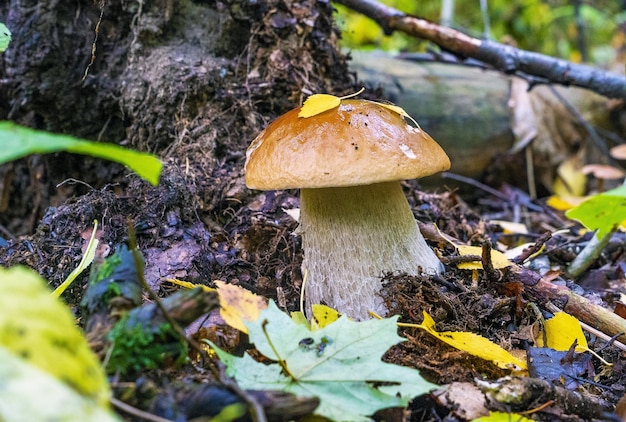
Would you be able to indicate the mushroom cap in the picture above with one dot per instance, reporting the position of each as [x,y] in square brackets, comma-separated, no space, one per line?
[603,171]
[357,143]
[619,152]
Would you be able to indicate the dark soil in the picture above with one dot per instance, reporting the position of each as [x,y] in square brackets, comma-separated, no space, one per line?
[194,82]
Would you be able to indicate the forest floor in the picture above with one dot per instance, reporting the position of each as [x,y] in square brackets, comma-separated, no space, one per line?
[195,86]
[254,246]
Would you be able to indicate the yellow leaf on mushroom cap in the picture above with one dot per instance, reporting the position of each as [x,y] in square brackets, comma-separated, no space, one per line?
[317,104]
[399,110]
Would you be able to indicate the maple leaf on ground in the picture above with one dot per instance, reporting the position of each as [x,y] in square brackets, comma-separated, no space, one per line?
[340,363]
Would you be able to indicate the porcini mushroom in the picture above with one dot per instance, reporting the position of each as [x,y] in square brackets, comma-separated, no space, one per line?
[355,222]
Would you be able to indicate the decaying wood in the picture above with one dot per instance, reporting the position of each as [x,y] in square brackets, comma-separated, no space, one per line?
[537,67]
[596,316]
[524,393]
[475,114]
[518,394]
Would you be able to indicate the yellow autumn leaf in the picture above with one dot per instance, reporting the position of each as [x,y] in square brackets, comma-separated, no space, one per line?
[319,103]
[40,329]
[502,417]
[472,344]
[238,305]
[564,203]
[299,318]
[188,285]
[570,180]
[561,331]
[498,259]
[322,316]
[399,110]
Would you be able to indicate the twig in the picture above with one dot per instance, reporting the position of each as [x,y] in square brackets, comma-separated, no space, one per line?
[532,249]
[133,411]
[543,291]
[476,183]
[589,254]
[504,58]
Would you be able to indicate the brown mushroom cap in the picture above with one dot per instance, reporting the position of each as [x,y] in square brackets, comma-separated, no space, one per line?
[358,143]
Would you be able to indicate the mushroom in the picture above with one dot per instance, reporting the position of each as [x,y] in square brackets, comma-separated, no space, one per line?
[355,221]
[603,172]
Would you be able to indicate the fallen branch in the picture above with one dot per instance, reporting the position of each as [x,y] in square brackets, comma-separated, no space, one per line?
[523,393]
[535,67]
[543,291]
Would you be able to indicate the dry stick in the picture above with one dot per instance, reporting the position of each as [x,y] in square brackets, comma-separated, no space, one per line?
[545,292]
[138,413]
[502,57]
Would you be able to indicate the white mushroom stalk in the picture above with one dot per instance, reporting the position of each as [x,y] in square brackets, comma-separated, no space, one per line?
[351,237]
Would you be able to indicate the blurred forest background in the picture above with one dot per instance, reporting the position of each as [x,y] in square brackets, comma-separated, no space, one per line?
[575,30]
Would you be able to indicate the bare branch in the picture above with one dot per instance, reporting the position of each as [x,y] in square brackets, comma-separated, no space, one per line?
[501,57]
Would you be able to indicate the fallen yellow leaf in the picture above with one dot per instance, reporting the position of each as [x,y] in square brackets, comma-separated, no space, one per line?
[322,316]
[570,180]
[318,103]
[561,331]
[502,417]
[236,303]
[564,203]
[239,305]
[472,344]
[498,259]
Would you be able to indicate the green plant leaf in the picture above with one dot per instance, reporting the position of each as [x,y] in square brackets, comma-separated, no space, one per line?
[86,260]
[28,392]
[41,329]
[18,141]
[603,212]
[5,37]
[338,363]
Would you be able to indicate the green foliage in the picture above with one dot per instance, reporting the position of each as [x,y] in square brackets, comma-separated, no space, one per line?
[5,37]
[115,277]
[18,141]
[40,329]
[137,345]
[340,363]
[85,261]
[546,26]
[603,212]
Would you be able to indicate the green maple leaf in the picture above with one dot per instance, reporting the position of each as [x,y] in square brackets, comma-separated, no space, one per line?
[339,364]
[602,212]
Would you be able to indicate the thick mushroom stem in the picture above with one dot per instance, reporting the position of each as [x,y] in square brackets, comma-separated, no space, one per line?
[351,236]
